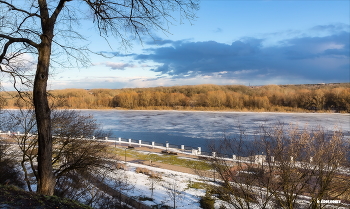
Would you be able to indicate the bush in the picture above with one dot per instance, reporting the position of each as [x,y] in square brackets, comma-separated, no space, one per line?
[144,198]
[142,170]
[9,174]
[222,207]
[159,206]
[121,166]
[148,173]
[207,202]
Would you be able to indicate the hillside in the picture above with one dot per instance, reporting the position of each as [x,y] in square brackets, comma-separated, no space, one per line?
[15,198]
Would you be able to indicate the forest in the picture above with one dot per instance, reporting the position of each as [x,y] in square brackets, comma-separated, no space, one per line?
[333,97]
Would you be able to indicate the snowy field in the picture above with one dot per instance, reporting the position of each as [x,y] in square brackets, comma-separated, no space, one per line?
[174,186]
[171,185]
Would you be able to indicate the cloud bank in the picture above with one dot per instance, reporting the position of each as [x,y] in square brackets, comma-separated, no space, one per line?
[295,60]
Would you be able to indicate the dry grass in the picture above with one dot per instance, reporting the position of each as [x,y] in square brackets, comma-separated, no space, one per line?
[149,173]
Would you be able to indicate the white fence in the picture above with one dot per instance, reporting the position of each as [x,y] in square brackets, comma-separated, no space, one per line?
[255,159]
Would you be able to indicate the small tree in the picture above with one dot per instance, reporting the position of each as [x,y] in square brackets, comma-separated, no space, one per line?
[173,191]
[207,202]
[154,179]
[23,120]
[122,184]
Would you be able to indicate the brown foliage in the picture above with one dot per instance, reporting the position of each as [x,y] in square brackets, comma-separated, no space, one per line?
[335,98]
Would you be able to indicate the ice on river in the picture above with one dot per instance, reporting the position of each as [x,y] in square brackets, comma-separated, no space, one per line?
[180,127]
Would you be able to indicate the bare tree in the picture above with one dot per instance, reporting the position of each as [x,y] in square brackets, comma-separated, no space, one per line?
[284,168]
[41,27]
[122,184]
[173,191]
[153,181]
[73,154]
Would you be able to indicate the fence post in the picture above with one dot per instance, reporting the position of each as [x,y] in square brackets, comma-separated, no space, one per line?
[259,159]
[183,147]
[129,141]
[106,138]
[167,145]
[234,157]
[140,142]
[152,145]
[199,150]
[214,154]
[120,139]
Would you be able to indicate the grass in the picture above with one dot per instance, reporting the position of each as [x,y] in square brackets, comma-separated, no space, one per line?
[166,159]
[198,185]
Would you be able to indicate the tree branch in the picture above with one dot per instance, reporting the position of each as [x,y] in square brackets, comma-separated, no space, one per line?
[17,40]
[20,10]
[58,9]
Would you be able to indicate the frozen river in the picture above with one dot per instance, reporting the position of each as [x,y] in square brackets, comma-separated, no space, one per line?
[197,128]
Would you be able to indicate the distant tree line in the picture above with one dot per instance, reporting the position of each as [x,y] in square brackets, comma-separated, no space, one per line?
[318,97]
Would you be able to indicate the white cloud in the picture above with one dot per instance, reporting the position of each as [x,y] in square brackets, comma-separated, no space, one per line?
[239,72]
[325,46]
[116,65]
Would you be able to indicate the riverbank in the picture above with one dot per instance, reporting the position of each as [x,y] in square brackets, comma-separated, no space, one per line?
[224,110]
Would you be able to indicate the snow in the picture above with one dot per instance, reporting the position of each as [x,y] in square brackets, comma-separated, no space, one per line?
[164,189]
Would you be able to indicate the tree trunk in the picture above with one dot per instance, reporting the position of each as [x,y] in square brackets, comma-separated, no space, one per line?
[46,180]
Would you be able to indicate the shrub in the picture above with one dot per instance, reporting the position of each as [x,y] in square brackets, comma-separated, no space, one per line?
[144,198]
[148,173]
[197,185]
[142,170]
[155,175]
[121,166]
[160,206]
[222,207]
[207,202]
[9,174]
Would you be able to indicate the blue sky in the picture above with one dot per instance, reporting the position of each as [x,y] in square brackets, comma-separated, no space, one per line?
[231,42]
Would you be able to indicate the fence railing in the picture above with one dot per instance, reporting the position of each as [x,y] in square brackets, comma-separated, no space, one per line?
[197,151]
[257,159]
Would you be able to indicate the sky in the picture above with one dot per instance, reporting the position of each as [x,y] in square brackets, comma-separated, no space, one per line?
[252,42]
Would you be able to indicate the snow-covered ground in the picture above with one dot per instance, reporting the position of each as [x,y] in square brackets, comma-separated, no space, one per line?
[171,185]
